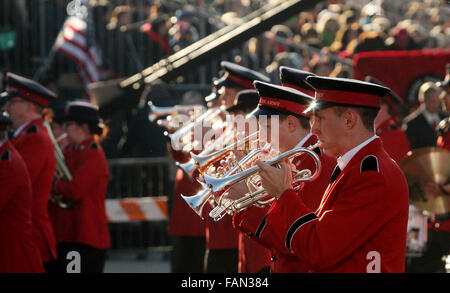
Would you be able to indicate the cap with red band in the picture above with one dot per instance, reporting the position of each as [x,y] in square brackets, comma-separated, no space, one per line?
[343,91]
[296,79]
[276,100]
[237,76]
[27,89]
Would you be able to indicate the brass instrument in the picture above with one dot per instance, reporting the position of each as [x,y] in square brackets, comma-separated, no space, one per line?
[228,206]
[198,201]
[62,171]
[157,112]
[206,158]
[182,138]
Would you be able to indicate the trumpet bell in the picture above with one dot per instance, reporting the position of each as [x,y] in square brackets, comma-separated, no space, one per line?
[188,167]
[198,201]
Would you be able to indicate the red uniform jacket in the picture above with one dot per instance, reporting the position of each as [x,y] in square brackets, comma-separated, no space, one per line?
[394,140]
[253,220]
[361,221]
[220,234]
[87,189]
[62,218]
[37,151]
[18,252]
[183,220]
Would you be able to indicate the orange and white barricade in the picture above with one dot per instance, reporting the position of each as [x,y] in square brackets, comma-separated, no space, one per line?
[136,209]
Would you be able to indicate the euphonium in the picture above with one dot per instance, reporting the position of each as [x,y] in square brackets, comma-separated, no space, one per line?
[61,169]
[228,206]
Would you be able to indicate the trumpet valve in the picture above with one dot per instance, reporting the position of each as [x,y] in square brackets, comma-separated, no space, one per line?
[221,210]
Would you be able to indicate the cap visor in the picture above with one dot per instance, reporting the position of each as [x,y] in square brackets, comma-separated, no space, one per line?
[211,97]
[8,94]
[316,106]
[226,82]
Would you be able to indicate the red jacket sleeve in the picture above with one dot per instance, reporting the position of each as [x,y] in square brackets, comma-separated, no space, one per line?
[84,177]
[324,241]
[29,152]
[7,183]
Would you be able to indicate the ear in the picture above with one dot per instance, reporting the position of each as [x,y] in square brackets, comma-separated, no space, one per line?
[350,118]
[292,123]
[85,128]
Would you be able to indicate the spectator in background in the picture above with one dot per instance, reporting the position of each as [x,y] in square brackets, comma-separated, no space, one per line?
[183,32]
[145,138]
[157,31]
[320,65]
[310,35]
[420,126]
[344,36]
[327,29]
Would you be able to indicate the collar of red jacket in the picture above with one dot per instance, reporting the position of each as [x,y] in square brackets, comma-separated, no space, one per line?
[85,144]
[370,149]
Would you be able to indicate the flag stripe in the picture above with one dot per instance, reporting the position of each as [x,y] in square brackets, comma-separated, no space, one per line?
[73,42]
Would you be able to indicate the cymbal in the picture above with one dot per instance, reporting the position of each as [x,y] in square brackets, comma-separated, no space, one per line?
[421,166]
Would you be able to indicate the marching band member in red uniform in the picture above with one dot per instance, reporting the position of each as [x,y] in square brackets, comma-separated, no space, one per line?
[294,131]
[221,254]
[87,231]
[186,229]
[25,101]
[18,252]
[360,225]
[394,139]
[253,257]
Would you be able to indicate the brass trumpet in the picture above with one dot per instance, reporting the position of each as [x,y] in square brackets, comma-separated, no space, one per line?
[183,135]
[206,158]
[228,206]
[62,171]
[157,112]
[198,201]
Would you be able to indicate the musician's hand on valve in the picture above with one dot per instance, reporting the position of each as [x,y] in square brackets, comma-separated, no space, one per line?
[275,180]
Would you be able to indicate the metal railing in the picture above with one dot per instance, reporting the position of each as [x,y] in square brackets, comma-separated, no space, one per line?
[125,50]
[140,177]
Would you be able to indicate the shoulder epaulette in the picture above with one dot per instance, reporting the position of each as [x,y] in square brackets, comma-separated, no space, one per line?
[369,163]
[32,129]
[317,150]
[93,146]
[5,156]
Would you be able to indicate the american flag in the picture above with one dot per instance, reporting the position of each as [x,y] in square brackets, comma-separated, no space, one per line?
[76,40]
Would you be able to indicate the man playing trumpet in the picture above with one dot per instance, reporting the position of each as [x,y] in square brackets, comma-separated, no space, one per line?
[287,104]
[360,225]
[25,101]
